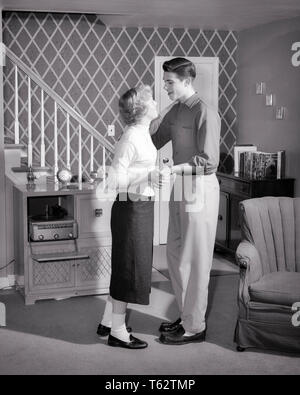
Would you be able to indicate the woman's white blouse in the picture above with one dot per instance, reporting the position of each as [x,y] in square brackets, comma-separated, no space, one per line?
[135,156]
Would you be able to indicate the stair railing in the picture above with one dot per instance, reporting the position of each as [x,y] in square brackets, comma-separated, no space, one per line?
[68,110]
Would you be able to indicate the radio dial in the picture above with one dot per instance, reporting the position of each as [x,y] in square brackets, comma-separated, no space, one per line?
[50,230]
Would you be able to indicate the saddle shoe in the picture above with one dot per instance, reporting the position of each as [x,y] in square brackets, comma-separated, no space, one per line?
[133,344]
[169,326]
[103,330]
[177,337]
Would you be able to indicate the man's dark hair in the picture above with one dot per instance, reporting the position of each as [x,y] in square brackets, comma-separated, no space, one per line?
[182,67]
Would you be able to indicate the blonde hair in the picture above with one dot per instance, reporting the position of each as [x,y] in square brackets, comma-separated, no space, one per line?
[133,104]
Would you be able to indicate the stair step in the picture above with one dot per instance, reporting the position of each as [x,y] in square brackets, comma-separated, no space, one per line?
[13,146]
[24,162]
[35,169]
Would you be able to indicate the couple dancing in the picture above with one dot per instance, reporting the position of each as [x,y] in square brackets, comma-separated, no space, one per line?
[194,129]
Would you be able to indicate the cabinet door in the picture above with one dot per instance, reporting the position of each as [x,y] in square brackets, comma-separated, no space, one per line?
[222,227]
[235,229]
[93,216]
[94,272]
[51,275]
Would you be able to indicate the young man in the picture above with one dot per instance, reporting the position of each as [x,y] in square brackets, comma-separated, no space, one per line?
[194,129]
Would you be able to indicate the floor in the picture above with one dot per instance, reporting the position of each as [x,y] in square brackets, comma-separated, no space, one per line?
[222,264]
[59,337]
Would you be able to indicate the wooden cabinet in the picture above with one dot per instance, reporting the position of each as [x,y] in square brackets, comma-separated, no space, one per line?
[93,216]
[222,229]
[232,191]
[63,268]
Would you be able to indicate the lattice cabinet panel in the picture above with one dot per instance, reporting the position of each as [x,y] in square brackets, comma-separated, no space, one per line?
[58,274]
[96,270]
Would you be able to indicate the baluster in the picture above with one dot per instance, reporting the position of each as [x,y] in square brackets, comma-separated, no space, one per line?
[17,126]
[92,155]
[29,125]
[55,142]
[103,165]
[68,142]
[43,159]
[79,156]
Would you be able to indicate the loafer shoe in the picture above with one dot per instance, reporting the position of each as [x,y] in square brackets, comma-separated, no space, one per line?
[105,330]
[169,326]
[177,337]
[133,344]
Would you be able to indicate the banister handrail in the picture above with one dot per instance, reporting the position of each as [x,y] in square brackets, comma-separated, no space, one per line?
[50,92]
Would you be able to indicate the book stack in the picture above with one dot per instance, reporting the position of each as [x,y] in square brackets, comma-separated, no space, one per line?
[258,165]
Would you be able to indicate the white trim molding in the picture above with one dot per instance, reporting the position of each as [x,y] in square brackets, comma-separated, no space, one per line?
[2,314]
[3,255]
[7,282]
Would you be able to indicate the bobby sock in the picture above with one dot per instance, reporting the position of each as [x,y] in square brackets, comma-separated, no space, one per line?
[118,328]
[107,315]
[188,333]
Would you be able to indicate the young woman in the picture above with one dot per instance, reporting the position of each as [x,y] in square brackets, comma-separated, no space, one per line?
[133,176]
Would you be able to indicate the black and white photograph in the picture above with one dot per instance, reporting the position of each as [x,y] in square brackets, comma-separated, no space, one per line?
[149,190]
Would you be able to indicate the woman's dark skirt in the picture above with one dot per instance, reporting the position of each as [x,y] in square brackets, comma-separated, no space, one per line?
[132,225]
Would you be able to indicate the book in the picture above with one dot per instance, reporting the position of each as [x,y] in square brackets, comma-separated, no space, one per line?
[271,164]
[241,168]
[281,164]
[260,165]
[247,166]
[237,150]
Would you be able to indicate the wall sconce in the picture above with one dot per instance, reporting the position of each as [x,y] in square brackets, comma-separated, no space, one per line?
[260,88]
[280,112]
[269,100]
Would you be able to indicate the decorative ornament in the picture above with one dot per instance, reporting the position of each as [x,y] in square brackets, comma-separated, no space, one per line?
[93,176]
[30,175]
[64,176]
[30,179]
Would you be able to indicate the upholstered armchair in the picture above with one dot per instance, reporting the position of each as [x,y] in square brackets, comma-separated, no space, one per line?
[269,260]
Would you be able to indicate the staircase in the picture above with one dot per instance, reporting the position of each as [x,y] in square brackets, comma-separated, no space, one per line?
[45,134]
[63,134]
[16,163]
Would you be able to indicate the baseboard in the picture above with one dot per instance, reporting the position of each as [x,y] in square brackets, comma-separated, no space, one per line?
[7,282]
[2,314]
[12,280]
[4,283]
[19,281]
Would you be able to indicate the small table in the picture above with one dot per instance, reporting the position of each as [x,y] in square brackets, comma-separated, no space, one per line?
[233,190]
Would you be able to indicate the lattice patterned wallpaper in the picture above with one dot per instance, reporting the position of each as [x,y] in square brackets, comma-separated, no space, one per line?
[89,65]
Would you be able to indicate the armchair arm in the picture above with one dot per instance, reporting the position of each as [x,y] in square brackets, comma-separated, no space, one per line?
[248,259]
[249,262]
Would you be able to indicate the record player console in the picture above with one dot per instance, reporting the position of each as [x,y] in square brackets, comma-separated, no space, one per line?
[62,246]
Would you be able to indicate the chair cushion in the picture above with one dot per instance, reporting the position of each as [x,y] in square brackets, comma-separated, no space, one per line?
[281,288]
